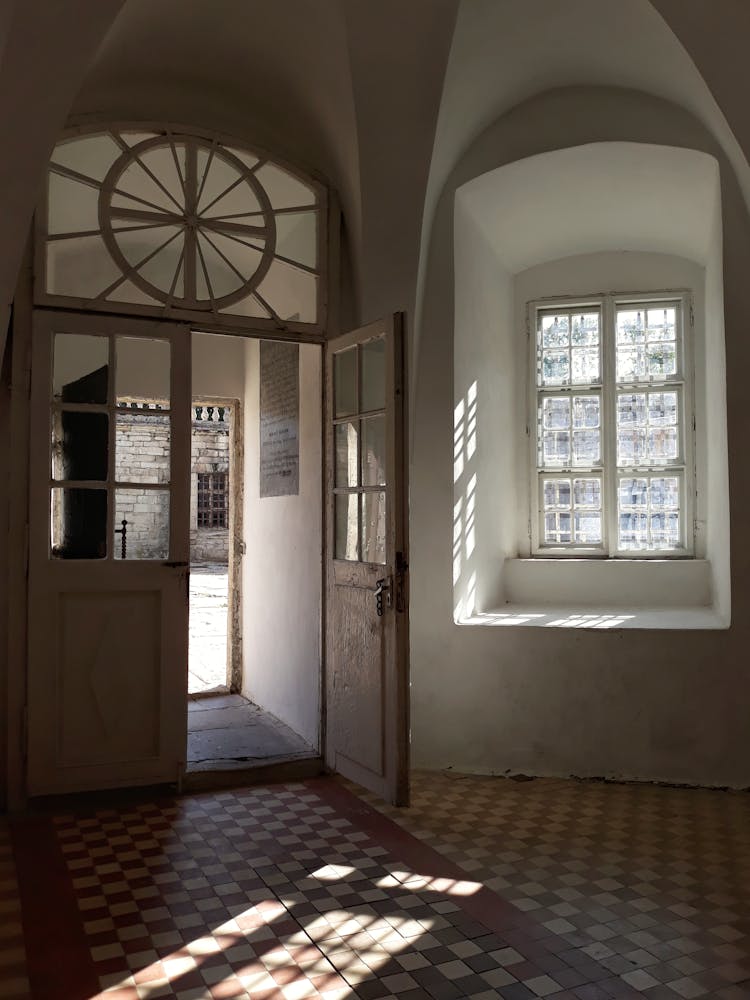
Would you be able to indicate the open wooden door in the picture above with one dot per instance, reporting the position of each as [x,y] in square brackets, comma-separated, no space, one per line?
[108,552]
[367,602]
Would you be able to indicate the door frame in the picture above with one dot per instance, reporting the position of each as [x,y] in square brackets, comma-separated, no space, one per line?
[235,663]
[17,678]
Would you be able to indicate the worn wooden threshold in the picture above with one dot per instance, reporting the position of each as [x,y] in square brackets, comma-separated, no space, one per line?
[277,769]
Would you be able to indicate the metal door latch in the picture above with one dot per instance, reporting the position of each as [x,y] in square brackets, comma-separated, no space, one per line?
[382,589]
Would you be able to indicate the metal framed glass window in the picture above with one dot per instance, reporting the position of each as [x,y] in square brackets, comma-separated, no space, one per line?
[611,426]
[213,508]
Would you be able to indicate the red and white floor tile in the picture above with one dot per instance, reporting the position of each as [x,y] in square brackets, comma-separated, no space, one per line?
[484,888]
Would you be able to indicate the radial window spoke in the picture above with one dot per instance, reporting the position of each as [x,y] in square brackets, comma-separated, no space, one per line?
[231,222]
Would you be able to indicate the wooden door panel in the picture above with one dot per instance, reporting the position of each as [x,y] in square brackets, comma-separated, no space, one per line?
[107,685]
[358,681]
[367,651]
[108,677]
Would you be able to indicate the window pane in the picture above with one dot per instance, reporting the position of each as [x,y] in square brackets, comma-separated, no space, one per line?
[557,494]
[647,428]
[81,368]
[586,447]
[662,359]
[345,382]
[556,412]
[373,527]
[630,326]
[284,189]
[662,323]
[585,329]
[373,451]
[646,343]
[631,363]
[570,431]
[649,513]
[142,445]
[291,293]
[73,207]
[586,410]
[555,367]
[297,237]
[373,375]
[78,523]
[555,331]
[142,370]
[346,453]
[572,516]
[556,448]
[82,267]
[80,445]
[147,529]
[585,364]
[90,155]
[346,516]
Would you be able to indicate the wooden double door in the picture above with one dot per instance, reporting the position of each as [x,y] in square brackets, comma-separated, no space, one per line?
[109,556]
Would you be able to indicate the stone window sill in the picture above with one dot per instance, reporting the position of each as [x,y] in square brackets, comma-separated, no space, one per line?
[605,594]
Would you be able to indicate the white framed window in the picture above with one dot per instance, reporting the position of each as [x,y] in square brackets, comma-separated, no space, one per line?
[611,426]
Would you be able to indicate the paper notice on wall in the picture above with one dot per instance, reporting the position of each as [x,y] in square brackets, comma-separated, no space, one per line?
[279,419]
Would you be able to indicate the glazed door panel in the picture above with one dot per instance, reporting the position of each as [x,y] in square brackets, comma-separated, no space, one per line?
[367,585]
[108,552]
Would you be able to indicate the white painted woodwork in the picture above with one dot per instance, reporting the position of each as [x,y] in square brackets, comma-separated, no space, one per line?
[107,637]
[367,667]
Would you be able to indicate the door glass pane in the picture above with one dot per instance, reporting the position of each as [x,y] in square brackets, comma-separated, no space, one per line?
[373,375]
[80,445]
[81,369]
[78,521]
[373,527]
[142,437]
[346,515]
[345,382]
[142,370]
[146,513]
[346,453]
[373,451]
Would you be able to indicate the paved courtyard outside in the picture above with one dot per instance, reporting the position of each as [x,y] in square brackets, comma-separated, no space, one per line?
[209,601]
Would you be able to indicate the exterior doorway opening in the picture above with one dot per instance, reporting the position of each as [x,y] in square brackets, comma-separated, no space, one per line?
[212,473]
[255,560]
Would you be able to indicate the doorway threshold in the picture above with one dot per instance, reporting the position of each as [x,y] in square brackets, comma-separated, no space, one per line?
[232,741]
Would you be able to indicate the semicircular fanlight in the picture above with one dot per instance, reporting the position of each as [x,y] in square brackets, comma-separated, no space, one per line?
[178,222]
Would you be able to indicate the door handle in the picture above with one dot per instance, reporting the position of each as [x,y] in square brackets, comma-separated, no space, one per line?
[382,590]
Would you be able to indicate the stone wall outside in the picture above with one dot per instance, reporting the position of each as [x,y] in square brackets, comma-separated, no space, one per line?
[142,455]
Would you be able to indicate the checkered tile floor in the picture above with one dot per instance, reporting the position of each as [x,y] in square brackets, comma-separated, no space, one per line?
[14,983]
[515,890]
[652,882]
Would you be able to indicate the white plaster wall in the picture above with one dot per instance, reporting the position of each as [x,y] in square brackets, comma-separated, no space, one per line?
[281,569]
[218,366]
[653,705]
[485,489]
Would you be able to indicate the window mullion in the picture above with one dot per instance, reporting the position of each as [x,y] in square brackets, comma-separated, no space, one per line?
[609,429]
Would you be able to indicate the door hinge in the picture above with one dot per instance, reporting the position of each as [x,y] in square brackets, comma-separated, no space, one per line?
[692,315]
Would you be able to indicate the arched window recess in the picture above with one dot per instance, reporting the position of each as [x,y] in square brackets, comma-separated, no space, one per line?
[162,221]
